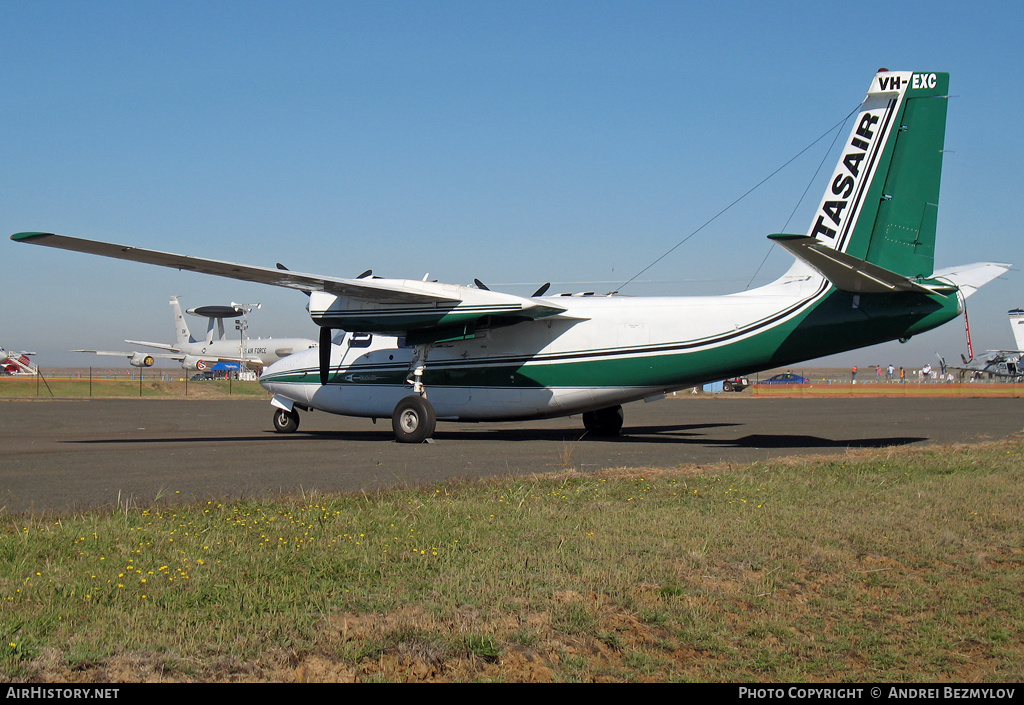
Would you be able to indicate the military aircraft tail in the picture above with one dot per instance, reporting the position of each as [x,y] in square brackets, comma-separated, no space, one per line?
[182,335]
[1017,324]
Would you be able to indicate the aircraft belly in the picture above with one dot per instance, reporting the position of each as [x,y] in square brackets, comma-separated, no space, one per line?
[471,403]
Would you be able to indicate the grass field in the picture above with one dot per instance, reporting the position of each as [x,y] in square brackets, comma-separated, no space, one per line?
[101,387]
[893,565]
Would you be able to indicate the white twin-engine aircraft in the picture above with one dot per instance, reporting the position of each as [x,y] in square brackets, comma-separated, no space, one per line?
[420,351]
[202,354]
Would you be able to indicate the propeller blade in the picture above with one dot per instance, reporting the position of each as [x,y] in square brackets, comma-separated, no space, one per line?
[325,354]
[480,285]
[542,290]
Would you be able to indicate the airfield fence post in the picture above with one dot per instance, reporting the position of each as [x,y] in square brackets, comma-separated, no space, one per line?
[39,376]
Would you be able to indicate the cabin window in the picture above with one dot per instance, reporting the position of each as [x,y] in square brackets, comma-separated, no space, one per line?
[360,340]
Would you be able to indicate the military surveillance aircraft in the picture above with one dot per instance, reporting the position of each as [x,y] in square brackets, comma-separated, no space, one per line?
[419,351]
[996,363]
[15,362]
[202,354]
[1017,326]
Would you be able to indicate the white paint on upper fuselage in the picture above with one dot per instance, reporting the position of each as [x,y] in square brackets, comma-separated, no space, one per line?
[618,325]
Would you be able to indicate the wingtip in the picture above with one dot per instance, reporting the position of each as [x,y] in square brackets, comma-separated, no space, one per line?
[23,237]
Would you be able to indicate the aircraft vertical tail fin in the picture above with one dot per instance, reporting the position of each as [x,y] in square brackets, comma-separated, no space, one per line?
[182,335]
[1017,323]
[881,203]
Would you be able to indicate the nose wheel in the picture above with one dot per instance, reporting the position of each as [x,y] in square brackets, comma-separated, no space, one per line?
[413,420]
[286,421]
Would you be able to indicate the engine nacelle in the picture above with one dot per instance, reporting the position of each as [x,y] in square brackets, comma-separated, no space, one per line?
[141,360]
[195,362]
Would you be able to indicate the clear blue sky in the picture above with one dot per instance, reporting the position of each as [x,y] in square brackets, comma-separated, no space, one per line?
[515,142]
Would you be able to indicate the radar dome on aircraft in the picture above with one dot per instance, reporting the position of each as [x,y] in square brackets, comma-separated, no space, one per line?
[216,311]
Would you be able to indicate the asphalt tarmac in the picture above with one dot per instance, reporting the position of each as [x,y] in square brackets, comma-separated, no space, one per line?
[69,456]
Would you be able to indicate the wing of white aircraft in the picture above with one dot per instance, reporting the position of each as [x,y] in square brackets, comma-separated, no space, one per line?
[135,359]
[372,289]
[370,304]
[142,359]
[158,346]
[183,356]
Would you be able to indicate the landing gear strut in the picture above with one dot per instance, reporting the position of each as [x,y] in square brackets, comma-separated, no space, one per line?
[604,422]
[414,418]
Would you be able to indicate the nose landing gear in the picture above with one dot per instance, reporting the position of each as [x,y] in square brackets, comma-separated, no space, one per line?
[286,421]
[414,418]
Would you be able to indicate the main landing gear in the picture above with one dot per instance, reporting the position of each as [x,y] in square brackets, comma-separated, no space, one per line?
[605,422]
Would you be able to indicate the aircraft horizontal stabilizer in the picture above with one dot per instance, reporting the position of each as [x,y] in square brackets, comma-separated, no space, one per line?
[969,278]
[849,273]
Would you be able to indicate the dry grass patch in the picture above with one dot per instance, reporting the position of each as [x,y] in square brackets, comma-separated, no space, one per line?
[886,565]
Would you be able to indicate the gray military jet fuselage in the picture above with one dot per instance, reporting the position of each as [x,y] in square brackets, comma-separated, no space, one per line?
[203,354]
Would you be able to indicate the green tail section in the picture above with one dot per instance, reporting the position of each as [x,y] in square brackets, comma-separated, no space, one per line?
[903,237]
[882,203]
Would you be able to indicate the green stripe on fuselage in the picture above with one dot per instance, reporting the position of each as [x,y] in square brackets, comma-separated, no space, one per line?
[839,321]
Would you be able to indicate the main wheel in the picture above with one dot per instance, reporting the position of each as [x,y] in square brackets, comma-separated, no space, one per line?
[413,420]
[286,421]
[604,422]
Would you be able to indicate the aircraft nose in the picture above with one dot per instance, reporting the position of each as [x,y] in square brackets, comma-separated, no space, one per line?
[273,374]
